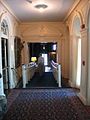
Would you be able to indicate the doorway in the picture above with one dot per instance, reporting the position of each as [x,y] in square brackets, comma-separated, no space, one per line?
[4,55]
[47,49]
[5,67]
[76,53]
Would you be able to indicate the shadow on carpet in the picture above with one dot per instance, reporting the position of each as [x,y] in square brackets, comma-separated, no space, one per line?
[45,104]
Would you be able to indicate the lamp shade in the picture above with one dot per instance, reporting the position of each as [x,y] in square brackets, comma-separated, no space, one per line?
[33,59]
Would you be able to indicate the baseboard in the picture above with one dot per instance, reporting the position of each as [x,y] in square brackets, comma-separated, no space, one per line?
[83,99]
[19,83]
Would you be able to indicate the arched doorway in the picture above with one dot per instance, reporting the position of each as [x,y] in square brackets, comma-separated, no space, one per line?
[76,53]
[4,54]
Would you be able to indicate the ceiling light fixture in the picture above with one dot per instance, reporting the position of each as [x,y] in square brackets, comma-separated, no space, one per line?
[30,1]
[41,7]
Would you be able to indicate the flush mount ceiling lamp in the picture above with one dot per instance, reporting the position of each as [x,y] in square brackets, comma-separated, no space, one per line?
[30,1]
[41,7]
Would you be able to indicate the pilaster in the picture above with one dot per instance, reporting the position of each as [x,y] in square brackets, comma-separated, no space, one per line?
[84,64]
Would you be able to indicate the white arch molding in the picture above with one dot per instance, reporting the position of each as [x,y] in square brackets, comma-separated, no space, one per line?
[1,81]
[77,14]
[74,37]
[5,16]
[87,14]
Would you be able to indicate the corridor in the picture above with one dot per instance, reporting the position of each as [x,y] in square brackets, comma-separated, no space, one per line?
[60,31]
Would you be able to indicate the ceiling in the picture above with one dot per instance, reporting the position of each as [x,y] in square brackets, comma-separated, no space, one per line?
[26,12]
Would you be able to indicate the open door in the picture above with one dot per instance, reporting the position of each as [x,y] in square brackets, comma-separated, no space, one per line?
[5,67]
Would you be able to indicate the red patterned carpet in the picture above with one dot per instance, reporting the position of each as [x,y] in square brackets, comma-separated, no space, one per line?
[45,104]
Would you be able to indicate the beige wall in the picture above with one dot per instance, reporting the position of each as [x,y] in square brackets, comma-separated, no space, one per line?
[48,32]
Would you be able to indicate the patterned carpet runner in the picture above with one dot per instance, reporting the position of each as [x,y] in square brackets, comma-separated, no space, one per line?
[45,104]
[46,80]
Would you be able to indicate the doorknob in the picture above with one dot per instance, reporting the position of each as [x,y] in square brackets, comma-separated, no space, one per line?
[0,75]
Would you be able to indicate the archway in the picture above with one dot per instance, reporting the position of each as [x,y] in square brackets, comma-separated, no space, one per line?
[76,53]
[6,26]
[4,54]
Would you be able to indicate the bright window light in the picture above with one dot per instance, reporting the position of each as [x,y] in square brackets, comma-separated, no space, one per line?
[78,79]
[54,47]
[45,56]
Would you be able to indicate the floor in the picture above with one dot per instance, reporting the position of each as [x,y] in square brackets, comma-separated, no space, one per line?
[46,80]
[45,104]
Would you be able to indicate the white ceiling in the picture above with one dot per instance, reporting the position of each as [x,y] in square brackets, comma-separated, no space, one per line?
[26,12]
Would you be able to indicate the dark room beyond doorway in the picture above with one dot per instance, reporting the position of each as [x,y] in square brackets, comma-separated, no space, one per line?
[48,51]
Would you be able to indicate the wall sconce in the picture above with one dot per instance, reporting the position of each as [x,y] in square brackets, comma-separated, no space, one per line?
[82,26]
[23,42]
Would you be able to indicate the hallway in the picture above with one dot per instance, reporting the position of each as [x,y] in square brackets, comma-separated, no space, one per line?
[26,27]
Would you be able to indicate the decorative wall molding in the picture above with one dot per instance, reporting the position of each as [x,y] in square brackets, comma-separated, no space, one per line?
[41,36]
[9,10]
[77,14]
[41,31]
[84,31]
[72,9]
[87,13]
[2,13]
[82,98]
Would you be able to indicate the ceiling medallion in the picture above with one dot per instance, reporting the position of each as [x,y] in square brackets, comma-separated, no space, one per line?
[41,7]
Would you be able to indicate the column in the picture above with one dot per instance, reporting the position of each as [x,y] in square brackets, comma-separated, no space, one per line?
[11,55]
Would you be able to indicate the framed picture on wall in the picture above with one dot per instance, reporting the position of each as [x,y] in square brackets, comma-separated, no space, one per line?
[17,48]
